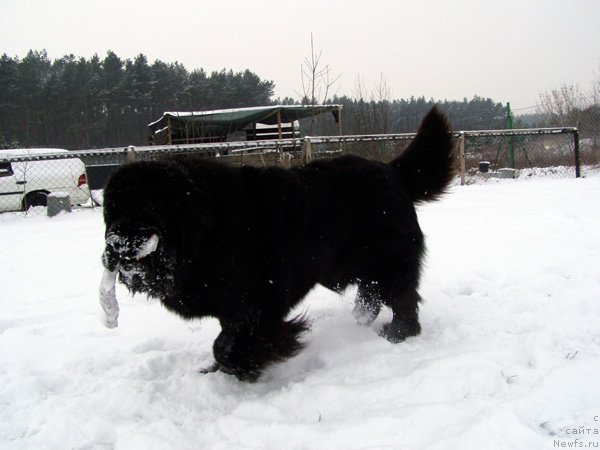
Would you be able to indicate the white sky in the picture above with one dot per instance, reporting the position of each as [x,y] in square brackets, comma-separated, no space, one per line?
[509,50]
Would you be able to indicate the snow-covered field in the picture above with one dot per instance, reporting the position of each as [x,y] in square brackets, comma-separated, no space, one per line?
[509,357]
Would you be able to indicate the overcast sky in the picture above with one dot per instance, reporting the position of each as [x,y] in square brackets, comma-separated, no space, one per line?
[509,50]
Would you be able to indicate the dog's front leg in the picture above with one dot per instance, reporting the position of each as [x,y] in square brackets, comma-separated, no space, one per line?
[237,351]
[246,348]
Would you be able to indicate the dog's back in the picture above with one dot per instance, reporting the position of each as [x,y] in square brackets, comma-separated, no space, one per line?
[361,225]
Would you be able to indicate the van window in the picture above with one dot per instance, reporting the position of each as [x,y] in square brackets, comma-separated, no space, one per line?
[5,169]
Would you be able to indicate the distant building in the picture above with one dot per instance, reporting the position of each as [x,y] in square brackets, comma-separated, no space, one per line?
[256,123]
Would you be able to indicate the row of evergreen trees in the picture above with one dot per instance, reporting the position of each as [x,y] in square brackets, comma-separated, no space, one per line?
[80,103]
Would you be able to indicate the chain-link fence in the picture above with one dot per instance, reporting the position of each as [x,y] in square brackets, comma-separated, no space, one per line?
[549,152]
[485,154]
[28,178]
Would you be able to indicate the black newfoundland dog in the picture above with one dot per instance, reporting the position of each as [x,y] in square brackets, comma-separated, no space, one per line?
[246,244]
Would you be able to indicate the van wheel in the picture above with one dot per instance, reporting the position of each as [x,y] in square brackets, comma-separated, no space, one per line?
[35,199]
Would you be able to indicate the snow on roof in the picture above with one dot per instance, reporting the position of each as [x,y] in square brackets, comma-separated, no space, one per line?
[251,109]
[247,109]
[7,153]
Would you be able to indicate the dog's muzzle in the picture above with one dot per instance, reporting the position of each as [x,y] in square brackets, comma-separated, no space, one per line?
[122,256]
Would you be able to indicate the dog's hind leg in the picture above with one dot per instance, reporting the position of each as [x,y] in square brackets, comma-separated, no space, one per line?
[402,298]
[390,276]
[405,320]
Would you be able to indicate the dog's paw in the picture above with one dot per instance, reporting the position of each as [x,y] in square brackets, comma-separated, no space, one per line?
[397,331]
[214,367]
[248,376]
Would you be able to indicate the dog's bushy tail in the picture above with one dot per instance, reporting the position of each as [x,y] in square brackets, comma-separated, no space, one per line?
[427,165]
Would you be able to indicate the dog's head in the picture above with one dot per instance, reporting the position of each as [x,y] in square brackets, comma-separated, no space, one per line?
[143,203]
[134,251]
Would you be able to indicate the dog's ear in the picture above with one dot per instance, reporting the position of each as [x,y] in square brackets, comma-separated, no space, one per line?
[147,246]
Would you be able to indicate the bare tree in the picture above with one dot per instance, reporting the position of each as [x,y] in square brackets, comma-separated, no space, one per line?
[381,101]
[318,80]
[360,112]
[370,113]
[562,105]
[596,87]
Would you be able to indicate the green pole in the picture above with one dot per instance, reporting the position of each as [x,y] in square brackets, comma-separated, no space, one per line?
[511,145]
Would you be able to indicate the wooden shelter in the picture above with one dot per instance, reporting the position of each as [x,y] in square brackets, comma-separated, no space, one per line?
[262,122]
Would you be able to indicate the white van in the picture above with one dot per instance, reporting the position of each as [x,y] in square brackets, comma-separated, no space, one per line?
[27,184]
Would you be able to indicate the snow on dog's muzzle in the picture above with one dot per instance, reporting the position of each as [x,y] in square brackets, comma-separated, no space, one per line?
[120,250]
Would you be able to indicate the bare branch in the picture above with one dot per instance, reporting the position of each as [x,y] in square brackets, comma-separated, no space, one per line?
[317,80]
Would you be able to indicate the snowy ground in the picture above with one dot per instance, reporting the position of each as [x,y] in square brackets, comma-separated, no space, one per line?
[509,357]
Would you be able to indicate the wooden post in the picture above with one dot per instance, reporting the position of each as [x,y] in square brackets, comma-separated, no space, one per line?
[293,136]
[340,126]
[169,132]
[280,149]
[279,123]
[131,155]
[306,150]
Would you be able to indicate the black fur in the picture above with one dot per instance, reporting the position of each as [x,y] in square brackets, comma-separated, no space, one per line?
[246,244]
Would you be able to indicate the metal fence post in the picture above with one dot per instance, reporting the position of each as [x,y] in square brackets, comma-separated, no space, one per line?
[461,150]
[511,140]
[576,151]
